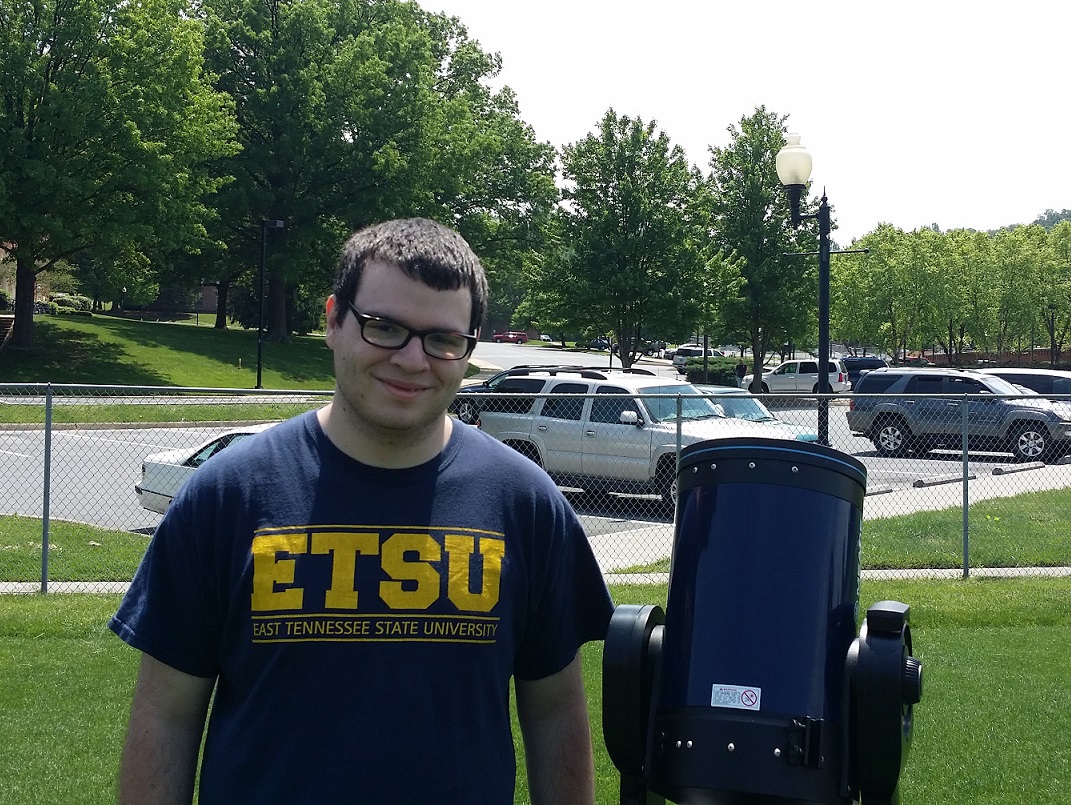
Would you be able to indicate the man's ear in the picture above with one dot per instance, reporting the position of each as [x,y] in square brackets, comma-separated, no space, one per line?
[330,317]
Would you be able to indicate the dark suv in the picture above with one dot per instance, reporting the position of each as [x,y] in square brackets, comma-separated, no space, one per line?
[857,365]
[905,409]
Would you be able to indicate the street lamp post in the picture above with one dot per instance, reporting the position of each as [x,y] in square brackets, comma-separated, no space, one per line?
[794,170]
[265,225]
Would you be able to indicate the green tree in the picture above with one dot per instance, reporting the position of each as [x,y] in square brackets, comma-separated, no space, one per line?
[107,124]
[630,252]
[752,221]
[353,111]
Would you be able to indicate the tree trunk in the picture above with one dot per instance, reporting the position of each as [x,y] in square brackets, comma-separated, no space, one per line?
[223,287]
[25,282]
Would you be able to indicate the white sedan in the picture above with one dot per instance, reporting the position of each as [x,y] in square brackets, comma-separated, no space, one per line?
[163,474]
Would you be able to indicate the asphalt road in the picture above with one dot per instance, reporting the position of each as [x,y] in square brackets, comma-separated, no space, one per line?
[93,472]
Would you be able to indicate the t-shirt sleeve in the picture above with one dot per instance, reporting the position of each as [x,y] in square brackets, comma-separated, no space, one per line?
[569,602]
[167,611]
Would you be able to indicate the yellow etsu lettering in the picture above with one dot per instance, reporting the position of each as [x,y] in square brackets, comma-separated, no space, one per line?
[343,547]
[416,574]
[459,551]
[270,570]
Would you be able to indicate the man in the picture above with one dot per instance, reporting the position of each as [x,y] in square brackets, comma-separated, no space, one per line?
[359,584]
[741,372]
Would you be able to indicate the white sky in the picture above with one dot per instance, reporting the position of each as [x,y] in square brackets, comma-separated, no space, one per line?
[946,111]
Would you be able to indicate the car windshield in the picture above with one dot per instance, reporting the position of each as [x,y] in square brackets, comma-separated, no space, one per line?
[693,405]
[1001,386]
[741,407]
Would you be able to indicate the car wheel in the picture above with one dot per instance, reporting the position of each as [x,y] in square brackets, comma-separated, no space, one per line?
[892,437]
[497,340]
[815,389]
[528,451]
[666,481]
[765,389]
[467,412]
[1030,442]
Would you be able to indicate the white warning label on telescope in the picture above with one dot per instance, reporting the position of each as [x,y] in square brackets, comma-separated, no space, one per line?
[737,697]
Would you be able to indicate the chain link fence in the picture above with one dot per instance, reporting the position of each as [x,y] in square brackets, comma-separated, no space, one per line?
[86,471]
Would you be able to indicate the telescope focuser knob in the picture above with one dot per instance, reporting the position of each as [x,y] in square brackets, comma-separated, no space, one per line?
[912,682]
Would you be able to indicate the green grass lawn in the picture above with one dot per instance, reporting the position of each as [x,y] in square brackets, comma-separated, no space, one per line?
[117,351]
[991,728]
[1022,531]
[104,350]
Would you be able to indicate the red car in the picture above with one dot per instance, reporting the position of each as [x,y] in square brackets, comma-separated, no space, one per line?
[510,338]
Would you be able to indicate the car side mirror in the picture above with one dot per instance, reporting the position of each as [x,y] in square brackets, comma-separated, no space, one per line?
[629,418]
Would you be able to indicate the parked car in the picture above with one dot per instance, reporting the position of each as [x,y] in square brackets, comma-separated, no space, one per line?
[510,338]
[739,404]
[471,399]
[682,354]
[801,377]
[613,430]
[1043,381]
[163,474]
[855,365]
[601,343]
[670,352]
[902,409]
[545,337]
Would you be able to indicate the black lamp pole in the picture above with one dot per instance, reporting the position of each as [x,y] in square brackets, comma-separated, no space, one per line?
[265,225]
[823,320]
[794,170]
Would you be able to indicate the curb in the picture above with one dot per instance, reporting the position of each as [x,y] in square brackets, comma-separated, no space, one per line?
[937,480]
[1007,469]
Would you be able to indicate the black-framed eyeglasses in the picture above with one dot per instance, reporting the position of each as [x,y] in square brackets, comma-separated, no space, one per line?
[388,334]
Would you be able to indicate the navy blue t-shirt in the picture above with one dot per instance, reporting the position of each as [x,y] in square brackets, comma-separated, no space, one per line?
[363,623]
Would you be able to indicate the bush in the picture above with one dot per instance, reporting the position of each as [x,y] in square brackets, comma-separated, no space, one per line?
[720,371]
[65,310]
[75,302]
[5,300]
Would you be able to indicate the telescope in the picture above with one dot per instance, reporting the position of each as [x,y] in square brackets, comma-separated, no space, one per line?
[754,687]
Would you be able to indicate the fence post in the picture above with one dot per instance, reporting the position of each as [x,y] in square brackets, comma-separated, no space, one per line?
[680,415]
[47,488]
[966,489]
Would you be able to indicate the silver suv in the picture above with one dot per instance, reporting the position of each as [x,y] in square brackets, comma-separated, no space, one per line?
[901,410]
[606,430]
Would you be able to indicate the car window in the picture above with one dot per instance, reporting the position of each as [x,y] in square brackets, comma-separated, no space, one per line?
[693,404]
[876,382]
[967,385]
[787,369]
[526,385]
[741,407]
[924,384]
[810,367]
[565,407]
[214,447]
[510,404]
[609,409]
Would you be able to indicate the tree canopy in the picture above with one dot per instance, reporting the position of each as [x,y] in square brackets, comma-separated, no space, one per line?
[107,126]
[354,111]
[629,254]
[752,222]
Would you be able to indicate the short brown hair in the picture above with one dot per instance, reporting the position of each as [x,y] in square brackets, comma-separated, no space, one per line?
[424,250]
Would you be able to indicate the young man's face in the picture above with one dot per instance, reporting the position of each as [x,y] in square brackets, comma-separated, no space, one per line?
[394,391]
